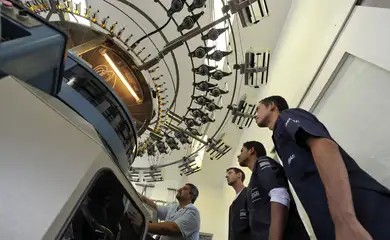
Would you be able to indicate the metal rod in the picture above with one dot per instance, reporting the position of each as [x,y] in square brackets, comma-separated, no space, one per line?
[171,163]
[49,16]
[180,41]
[53,8]
[169,125]
[85,47]
[257,66]
[174,116]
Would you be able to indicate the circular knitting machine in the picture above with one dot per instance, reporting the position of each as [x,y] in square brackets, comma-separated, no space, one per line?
[176,105]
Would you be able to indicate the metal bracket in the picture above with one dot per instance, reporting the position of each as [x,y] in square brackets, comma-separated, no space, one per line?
[243,113]
[256,63]
[236,6]
[180,41]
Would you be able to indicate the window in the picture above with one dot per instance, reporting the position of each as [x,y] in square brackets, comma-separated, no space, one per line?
[105,212]
[222,42]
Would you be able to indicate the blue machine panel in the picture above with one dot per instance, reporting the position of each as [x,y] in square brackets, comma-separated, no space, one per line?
[31,49]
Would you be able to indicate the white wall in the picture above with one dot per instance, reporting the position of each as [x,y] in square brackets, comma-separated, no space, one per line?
[364,135]
[308,34]
[210,208]
[357,73]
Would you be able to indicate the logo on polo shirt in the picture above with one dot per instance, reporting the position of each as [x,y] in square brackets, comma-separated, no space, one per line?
[292,120]
[264,164]
[255,194]
[243,214]
[290,159]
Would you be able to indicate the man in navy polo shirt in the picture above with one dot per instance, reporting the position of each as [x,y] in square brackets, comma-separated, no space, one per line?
[238,212]
[341,200]
[272,213]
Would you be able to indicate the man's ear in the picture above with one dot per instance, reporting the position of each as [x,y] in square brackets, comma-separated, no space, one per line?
[251,150]
[239,175]
[272,107]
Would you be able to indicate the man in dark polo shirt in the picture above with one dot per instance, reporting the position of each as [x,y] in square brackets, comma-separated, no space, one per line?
[341,200]
[272,212]
[238,212]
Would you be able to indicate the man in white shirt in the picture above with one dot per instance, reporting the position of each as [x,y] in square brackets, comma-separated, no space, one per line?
[238,212]
[181,220]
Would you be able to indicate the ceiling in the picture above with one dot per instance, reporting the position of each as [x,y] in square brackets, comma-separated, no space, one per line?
[140,17]
[261,36]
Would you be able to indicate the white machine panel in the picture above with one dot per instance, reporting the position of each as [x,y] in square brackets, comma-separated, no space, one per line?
[48,160]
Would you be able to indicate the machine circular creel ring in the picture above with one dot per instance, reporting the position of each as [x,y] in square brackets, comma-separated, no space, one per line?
[158,126]
[92,98]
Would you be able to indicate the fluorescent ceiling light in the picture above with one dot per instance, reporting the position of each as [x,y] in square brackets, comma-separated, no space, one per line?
[222,42]
[121,77]
[199,158]
[195,146]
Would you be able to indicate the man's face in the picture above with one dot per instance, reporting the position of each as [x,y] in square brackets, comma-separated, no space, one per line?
[244,156]
[184,193]
[262,114]
[232,177]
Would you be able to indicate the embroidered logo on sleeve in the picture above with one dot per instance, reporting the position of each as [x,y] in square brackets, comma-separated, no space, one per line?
[290,159]
[290,120]
[255,194]
[264,164]
[243,214]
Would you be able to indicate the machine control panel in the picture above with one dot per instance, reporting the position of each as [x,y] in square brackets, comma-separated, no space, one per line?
[21,16]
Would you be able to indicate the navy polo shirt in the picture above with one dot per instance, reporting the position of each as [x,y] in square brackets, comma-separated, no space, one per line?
[371,199]
[268,174]
[238,218]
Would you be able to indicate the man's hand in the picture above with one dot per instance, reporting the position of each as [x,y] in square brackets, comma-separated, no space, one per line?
[352,230]
[148,202]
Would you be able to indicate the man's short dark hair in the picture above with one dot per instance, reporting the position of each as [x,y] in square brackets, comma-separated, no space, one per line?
[194,191]
[257,146]
[279,102]
[237,171]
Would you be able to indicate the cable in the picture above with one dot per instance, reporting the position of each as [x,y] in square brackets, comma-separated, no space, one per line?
[151,33]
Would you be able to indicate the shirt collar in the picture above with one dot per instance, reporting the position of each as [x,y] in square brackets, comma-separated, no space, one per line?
[277,122]
[190,205]
[275,132]
[238,194]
